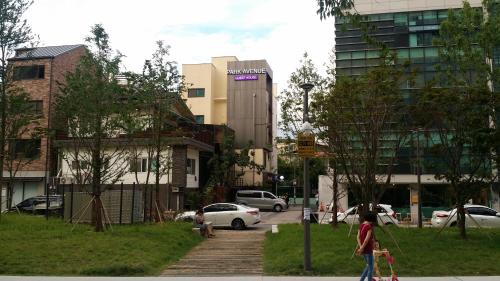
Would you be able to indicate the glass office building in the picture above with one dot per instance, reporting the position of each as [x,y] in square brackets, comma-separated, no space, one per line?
[408,27]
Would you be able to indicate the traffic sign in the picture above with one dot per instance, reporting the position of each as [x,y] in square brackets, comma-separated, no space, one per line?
[306,145]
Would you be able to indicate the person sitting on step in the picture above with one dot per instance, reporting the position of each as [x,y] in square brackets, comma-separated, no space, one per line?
[206,228]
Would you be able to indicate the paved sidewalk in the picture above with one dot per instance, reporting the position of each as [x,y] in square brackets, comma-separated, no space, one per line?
[239,278]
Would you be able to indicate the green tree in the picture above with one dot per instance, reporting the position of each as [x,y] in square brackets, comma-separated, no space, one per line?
[462,103]
[228,164]
[361,121]
[21,123]
[292,98]
[14,32]
[92,108]
[156,91]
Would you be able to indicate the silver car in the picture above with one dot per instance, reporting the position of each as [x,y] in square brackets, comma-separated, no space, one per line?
[260,199]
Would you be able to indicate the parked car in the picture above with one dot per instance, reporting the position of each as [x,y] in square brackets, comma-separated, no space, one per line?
[226,215]
[484,216]
[385,216]
[260,199]
[38,204]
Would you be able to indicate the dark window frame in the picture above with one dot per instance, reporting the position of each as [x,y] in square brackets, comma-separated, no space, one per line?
[36,106]
[200,119]
[190,166]
[28,72]
[196,93]
[20,148]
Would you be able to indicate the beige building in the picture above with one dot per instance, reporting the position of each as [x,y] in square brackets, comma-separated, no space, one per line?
[241,95]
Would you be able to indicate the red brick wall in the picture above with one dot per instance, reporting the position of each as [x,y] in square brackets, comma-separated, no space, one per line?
[45,90]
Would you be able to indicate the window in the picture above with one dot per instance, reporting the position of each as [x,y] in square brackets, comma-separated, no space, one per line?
[79,164]
[430,17]
[269,195]
[191,166]
[28,148]
[196,93]
[481,211]
[140,165]
[358,62]
[344,56]
[421,39]
[415,18]
[211,209]
[417,55]
[343,63]
[36,107]
[442,15]
[401,19]
[358,55]
[200,119]
[29,72]
[227,207]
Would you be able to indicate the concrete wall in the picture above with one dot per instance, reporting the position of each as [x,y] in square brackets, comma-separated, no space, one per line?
[192,181]
[200,76]
[392,6]
[325,190]
[249,105]
[67,157]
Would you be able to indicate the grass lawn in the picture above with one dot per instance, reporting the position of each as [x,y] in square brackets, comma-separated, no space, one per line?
[424,253]
[30,245]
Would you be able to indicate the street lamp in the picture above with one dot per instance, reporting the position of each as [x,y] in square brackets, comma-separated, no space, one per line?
[307,210]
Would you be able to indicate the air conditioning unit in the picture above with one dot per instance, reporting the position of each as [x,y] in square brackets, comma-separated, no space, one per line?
[66,180]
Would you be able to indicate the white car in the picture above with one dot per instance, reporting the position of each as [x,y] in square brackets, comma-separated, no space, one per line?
[484,216]
[385,216]
[226,215]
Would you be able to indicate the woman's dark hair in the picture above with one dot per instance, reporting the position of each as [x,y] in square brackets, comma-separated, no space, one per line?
[200,211]
[371,217]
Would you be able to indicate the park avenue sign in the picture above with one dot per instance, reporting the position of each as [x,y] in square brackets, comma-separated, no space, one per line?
[247,71]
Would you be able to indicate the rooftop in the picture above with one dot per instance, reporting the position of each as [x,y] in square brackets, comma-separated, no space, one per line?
[43,52]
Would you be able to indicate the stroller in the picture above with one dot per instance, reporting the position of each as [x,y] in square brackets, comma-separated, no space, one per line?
[390,262]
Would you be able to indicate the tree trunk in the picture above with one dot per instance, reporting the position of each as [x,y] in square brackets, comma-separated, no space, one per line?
[461,220]
[9,195]
[335,187]
[96,184]
[97,213]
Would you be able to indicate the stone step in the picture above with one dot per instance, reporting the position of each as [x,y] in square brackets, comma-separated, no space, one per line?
[229,253]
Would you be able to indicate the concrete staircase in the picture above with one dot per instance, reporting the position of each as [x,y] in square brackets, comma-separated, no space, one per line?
[229,253]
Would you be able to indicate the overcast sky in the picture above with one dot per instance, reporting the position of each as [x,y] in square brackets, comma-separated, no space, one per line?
[279,31]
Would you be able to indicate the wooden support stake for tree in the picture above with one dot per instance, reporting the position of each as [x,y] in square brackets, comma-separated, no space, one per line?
[106,216]
[159,214]
[90,202]
[382,226]
[477,224]
[447,221]
[352,221]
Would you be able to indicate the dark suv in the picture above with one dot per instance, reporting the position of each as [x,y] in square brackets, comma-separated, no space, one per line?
[37,204]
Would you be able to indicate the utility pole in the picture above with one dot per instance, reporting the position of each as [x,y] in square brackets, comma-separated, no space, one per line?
[254,138]
[307,210]
[419,186]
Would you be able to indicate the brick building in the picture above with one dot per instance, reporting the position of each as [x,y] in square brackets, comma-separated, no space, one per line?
[39,71]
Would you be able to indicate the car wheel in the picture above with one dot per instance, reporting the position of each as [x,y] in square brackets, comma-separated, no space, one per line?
[453,224]
[277,208]
[388,223]
[238,224]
